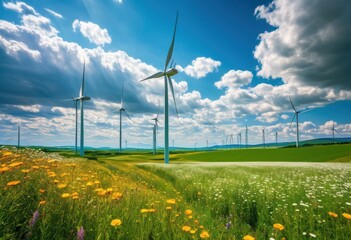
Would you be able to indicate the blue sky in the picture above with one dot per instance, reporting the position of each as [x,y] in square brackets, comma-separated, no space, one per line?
[238,62]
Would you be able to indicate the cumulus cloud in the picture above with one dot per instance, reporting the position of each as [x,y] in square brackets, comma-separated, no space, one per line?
[92,31]
[55,14]
[234,79]
[200,67]
[118,1]
[20,7]
[31,108]
[310,44]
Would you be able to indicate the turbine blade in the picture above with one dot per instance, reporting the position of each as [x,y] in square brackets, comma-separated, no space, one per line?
[171,87]
[170,51]
[306,110]
[336,131]
[156,75]
[292,104]
[292,120]
[81,92]
[127,115]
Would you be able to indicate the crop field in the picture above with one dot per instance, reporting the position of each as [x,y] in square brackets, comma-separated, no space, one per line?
[47,196]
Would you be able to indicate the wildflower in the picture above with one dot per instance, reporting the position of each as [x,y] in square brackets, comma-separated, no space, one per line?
[228,225]
[90,184]
[13,183]
[4,169]
[42,202]
[152,210]
[34,219]
[333,214]
[109,190]
[168,208]
[249,237]
[312,235]
[188,212]
[116,222]
[65,195]
[56,181]
[16,164]
[186,228]
[97,182]
[117,196]
[62,185]
[192,231]
[196,222]
[5,154]
[35,167]
[144,210]
[25,170]
[204,234]
[41,190]
[171,201]
[80,233]
[278,226]
[102,192]
[347,216]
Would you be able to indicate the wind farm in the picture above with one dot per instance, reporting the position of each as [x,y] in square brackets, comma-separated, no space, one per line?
[264,73]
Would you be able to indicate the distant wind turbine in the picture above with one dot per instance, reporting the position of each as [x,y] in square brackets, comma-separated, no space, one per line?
[121,110]
[334,131]
[155,128]
[276,137]
[246,136]
[264,138]
[18,136]
[296,114]
[81,100]
[167,81]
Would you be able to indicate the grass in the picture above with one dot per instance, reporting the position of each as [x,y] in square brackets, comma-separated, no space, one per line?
[47,196]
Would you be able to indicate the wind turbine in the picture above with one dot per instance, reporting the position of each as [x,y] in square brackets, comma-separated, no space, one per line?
[81,100]
[246,136]
[155,128]
[121,110]
[276,137]
[334,130]
[167,73]
[296,113]
[18,136]
[264,138]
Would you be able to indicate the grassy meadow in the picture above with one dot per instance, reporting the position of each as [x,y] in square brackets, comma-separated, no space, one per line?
[135,196]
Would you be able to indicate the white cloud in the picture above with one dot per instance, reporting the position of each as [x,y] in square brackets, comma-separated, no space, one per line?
[14,48]
[30,108]
[284,116]
[20,7]
[309,45]
[55,14]
[118,1]
[235,79]
[92,31]
[200,67]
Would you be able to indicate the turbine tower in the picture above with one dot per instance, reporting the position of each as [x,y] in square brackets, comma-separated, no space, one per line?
[296,114]
[334,131]
[155,128]
[276,137]
[121,110]
[18,136]
[246,136]
[167,81]
[81,100]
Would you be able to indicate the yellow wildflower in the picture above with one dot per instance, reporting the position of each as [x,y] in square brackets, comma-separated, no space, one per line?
[62,185]
[168,208]
[347,216]
[188,212]
[171,201]
[41,190]
[152,210]
[204,234]
[192,231]
[117,196]
[25,170]
[186,228]
[13,183]
[116,222]
[278,226]
[109,190]
[65,195]
[4,169]
[42,202]
[333,214]
[16,164]
[144,210]
[89,183]
[249,237]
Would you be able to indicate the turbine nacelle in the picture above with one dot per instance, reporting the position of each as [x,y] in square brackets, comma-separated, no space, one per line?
[171,72]
[83,98]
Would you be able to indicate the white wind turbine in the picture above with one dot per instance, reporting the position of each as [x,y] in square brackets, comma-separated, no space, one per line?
[334,131]
[81,100]
[120,120]
[296,114]
[167,81]
[155,128]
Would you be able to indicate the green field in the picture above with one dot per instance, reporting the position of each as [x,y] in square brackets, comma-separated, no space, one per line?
[136,196]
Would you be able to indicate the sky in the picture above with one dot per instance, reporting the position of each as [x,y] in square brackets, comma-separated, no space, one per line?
[238,63]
